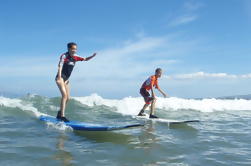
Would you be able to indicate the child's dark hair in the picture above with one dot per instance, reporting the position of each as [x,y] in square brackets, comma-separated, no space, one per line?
[158,70]
[69,45]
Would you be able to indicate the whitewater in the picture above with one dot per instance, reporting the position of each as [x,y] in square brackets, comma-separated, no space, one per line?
[131,105]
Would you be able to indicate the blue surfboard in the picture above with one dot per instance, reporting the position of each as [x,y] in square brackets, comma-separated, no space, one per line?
[86,126]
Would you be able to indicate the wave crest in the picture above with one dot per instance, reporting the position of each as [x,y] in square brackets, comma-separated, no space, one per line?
[132,105]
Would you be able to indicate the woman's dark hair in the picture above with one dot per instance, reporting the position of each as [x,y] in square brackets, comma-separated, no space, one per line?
[69,45]
[158,70]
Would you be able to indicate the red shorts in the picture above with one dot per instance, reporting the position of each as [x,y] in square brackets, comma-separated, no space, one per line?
[146,95]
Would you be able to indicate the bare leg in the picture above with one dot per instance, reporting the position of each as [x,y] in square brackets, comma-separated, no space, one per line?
[68,91]
[143,109]
[153,107]
[62,87]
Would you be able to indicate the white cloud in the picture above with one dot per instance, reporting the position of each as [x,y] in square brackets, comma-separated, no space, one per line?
[188,14]
[183,20]
[202,75]
[129,60]
[192,6]
[245,76]
[130,47]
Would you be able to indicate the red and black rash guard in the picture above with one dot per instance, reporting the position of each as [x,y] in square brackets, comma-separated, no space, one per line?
[68,63]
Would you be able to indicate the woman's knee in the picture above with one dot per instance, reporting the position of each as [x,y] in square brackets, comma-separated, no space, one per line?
[61,86]
[64,97]
[59,81]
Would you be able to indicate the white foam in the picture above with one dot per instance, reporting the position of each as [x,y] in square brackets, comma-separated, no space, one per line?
[59,126]
[17,103]
[128,105]
[132,105]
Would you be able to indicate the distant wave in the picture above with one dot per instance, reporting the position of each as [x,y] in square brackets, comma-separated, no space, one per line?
[131,105]
[18,103]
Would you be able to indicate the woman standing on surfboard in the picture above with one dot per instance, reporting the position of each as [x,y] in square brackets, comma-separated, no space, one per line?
[65,67]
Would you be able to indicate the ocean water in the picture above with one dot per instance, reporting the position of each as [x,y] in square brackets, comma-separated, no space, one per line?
[223,137]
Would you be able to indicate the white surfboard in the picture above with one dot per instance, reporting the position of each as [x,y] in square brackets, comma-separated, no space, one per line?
[169,121]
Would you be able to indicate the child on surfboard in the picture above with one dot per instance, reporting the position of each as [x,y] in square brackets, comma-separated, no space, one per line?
[65,67]
[147,86]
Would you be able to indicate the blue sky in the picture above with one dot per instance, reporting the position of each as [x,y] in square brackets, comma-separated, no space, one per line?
[202,46]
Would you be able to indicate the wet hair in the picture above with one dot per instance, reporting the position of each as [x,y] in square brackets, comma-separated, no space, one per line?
[158,70]
[69,45]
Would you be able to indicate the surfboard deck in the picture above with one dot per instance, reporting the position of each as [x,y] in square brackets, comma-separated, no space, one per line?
[87,126]
[169,121]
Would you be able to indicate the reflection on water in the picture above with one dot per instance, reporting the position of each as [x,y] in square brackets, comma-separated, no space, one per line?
[147,136]
[65,157]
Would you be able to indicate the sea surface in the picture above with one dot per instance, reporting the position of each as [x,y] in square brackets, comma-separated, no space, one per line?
[221,138]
